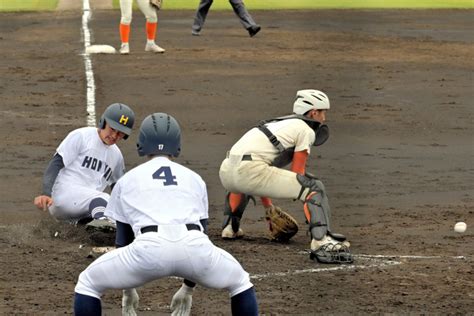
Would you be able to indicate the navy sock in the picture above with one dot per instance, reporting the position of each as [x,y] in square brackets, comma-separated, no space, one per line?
[86,305]
[245,303]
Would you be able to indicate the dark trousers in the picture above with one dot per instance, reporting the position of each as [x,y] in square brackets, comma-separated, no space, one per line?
[239,9]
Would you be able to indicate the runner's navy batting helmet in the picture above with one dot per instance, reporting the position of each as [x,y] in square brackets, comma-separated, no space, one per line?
[160,134]
[119,117]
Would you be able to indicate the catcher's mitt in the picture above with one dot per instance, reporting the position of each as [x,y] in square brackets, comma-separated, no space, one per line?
[157,4]
[332,253]
[281,224]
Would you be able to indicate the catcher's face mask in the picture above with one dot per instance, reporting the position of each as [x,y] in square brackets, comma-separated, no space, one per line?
[322,135]
[321,131]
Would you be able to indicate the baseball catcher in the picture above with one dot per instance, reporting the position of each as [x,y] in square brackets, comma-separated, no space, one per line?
[254,167]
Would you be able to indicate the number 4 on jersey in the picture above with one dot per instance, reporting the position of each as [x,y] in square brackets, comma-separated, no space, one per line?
[164,173]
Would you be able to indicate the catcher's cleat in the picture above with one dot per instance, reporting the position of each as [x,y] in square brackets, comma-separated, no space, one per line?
[332,253]
[328,240]
[124,49]
[152,47]
[228,233]
[195,33]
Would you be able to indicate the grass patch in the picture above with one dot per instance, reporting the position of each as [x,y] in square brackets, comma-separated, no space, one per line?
[320,4]
[28,5]
[48,5]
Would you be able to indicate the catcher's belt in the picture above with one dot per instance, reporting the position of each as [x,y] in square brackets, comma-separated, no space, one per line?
[237,158]
[246,157]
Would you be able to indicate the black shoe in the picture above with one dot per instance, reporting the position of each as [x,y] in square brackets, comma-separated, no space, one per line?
[253,30]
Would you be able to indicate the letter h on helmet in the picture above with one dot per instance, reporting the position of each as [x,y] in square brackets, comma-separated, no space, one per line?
[119,117]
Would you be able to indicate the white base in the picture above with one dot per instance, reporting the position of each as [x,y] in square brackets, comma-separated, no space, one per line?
[100,49]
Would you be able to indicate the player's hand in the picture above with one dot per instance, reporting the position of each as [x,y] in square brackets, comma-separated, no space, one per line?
[43,202]
[182,301]
[130,300]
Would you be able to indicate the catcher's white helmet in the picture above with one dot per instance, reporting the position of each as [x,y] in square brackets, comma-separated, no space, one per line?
[310,99]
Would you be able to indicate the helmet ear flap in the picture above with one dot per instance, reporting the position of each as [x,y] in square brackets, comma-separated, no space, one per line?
[102,122]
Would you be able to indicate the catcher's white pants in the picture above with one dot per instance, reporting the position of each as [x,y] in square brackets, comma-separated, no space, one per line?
[72,202]
[147,9]
[258,178]
[172,251]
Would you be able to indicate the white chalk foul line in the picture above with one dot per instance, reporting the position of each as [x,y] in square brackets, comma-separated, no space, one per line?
[376,261]
[408,257]
[90,84]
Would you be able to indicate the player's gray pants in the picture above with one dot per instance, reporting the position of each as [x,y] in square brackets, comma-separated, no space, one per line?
[239,9]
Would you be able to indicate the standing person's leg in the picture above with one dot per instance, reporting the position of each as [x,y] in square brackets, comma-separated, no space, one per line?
[245,17]
[200,17]
[125,21]
[151,25]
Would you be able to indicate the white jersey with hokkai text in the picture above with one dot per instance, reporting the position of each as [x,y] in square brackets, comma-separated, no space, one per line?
[90,166]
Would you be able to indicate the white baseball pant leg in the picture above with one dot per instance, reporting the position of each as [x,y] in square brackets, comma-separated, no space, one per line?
[72,202]
[170,252]
[260,179]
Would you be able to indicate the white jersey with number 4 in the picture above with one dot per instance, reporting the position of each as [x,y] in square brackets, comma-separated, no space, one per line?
[159,192]
[163,193]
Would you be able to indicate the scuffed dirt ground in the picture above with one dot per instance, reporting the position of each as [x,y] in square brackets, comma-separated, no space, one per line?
[398,165]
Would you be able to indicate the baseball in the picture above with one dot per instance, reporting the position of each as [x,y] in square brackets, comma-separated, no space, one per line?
[460,227]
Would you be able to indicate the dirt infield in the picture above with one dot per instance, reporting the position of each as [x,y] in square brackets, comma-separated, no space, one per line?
[399,165]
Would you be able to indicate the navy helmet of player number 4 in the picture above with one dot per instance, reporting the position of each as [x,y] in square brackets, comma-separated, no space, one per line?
[159,134]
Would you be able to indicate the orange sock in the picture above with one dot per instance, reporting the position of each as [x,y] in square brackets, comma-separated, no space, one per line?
[124,32]
[266,201]
[234,200]
[307,213]
[151,30]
